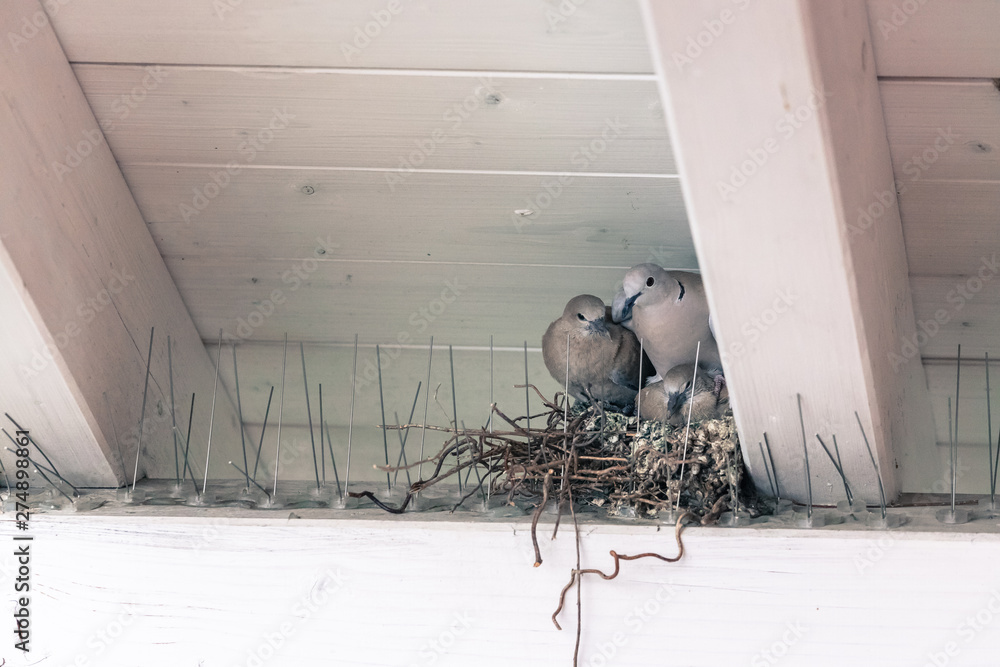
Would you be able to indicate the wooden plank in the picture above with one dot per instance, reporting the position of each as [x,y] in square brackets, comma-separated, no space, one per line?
[795,147]
[946,222]
[317,118]
[924,39]
[331,300]
[266,213]
[53,391]
[348,588]
[964,308]
[943,130]
[79,255]
[529,35]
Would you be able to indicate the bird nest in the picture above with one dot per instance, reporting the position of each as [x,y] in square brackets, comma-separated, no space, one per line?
[589,455]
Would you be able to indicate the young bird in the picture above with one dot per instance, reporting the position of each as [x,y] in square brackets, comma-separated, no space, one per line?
[668,310]
[667,400]
[603,356]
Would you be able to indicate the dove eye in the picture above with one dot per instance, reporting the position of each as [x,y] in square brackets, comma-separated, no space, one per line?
[581,317]
[649,281]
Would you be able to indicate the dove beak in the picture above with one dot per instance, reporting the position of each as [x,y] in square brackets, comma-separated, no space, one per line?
[621,307]
[599,327]
[674,401]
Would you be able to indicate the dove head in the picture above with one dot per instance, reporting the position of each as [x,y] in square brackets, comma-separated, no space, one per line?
[644,285]
[587,313]
[677,385]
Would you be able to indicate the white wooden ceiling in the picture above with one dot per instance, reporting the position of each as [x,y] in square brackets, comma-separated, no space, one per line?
[502,197]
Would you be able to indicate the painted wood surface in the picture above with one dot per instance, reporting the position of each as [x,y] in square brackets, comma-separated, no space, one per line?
[396,121]
[77,253]
[949,226]
[331,300]
[784,175]
[528,35]
[215,590]
[935,39]
[943,129]
[474,218]
[914,39]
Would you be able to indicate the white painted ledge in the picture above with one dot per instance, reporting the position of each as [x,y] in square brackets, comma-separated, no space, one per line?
[219,587]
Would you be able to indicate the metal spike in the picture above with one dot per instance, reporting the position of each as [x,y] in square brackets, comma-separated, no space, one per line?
[878,473]
[840,471]
[118,446]
[381,401]
[404,437]
[187,448]
[687,428]
[281,409]
[312,437]
[454,409]
[263,429]
[142,413]
[350,423]
[173,417]
[239,408]
[336,476]
[767,470]
[805,449]
[211,421]
[41,451]
[774,471]
[427,398]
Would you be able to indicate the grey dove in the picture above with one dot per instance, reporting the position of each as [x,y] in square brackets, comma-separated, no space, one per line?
[668,310]
[667,400]
[603,356]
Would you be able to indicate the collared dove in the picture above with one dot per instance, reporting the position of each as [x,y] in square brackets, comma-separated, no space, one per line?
[603,356]
[667,400]
[669,312]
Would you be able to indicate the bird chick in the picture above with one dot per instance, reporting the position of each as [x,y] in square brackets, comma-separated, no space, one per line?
[668,311]
[667,400]
[603,356]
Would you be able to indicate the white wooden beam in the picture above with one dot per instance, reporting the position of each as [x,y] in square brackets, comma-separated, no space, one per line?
[777,123]
[82,281]
[440,590]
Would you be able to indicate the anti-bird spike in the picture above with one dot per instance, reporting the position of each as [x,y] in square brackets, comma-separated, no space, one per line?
[142,413]
[211,421]
[281,409]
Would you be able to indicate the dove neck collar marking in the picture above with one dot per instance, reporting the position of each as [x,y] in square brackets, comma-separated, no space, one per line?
[681,295]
